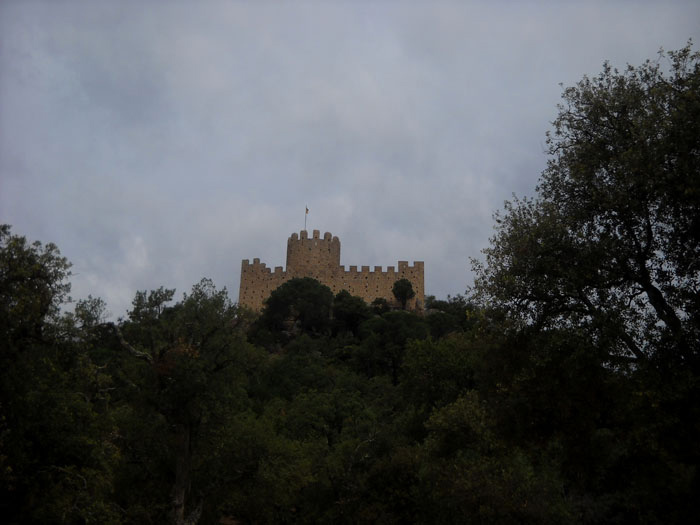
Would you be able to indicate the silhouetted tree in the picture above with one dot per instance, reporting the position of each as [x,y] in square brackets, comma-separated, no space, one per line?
[300,304]
[348,312]
[380,306]
[403,291]
[611,243]
[599,274]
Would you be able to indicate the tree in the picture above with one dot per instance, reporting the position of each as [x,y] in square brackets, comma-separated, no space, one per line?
[437,372]
[57,437]
[33,285]
[384,341]
[190,367]
[598,278]
[611,243]
[299,304]
[455,314]
[403,291]
[349,311]
[469,472]
[380,306]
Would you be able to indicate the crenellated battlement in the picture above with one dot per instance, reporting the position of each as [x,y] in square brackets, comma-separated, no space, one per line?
[319,257]
[315,234]
[402,266]
[257,266]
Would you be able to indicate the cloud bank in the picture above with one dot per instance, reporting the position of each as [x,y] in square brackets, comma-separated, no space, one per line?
[157,144]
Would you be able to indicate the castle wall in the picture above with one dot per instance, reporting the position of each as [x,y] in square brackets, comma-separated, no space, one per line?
[258,282]
[371,284]
[319,258]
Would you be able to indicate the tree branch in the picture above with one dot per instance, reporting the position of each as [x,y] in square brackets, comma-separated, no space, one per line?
[140,355]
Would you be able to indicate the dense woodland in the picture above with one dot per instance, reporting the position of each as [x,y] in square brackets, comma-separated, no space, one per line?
[563,387]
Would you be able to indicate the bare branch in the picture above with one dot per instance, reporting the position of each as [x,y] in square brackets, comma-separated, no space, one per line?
[141,355]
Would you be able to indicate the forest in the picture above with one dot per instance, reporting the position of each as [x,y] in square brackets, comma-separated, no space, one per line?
[562,387]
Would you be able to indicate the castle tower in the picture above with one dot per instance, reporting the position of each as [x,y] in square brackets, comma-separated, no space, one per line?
[314,257]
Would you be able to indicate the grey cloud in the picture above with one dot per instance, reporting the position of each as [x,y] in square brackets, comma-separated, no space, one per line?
[157,144]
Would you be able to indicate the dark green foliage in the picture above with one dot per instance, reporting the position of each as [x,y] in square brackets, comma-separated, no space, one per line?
[598,278]
[57,453]
[348,312]
[403,291]
[610,244]
[32,287]
[192,380]
[380,306]
[437,372]
[384,341]
[455,314]
[299,305]
[471,472]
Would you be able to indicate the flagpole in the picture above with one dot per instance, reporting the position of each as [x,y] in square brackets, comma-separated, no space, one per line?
[305,214]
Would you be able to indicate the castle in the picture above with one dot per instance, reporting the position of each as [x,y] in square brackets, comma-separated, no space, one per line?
[319,258]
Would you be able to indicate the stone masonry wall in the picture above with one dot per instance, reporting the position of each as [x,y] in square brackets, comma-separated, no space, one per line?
[320,258]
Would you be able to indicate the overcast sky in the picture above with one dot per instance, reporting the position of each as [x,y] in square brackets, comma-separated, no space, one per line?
[157,143]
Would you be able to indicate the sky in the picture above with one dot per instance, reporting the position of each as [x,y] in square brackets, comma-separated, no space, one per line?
[157,143]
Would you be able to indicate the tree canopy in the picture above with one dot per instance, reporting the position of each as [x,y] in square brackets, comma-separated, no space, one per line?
[601,269]
[403,291]
[300,303]
[610,243]
[349,311]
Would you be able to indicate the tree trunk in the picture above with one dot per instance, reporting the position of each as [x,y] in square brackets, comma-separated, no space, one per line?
[183,457]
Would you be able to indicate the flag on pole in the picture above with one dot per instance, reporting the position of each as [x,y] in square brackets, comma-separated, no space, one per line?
[307,210]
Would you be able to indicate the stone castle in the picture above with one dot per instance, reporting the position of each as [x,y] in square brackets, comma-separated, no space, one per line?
[320,258]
